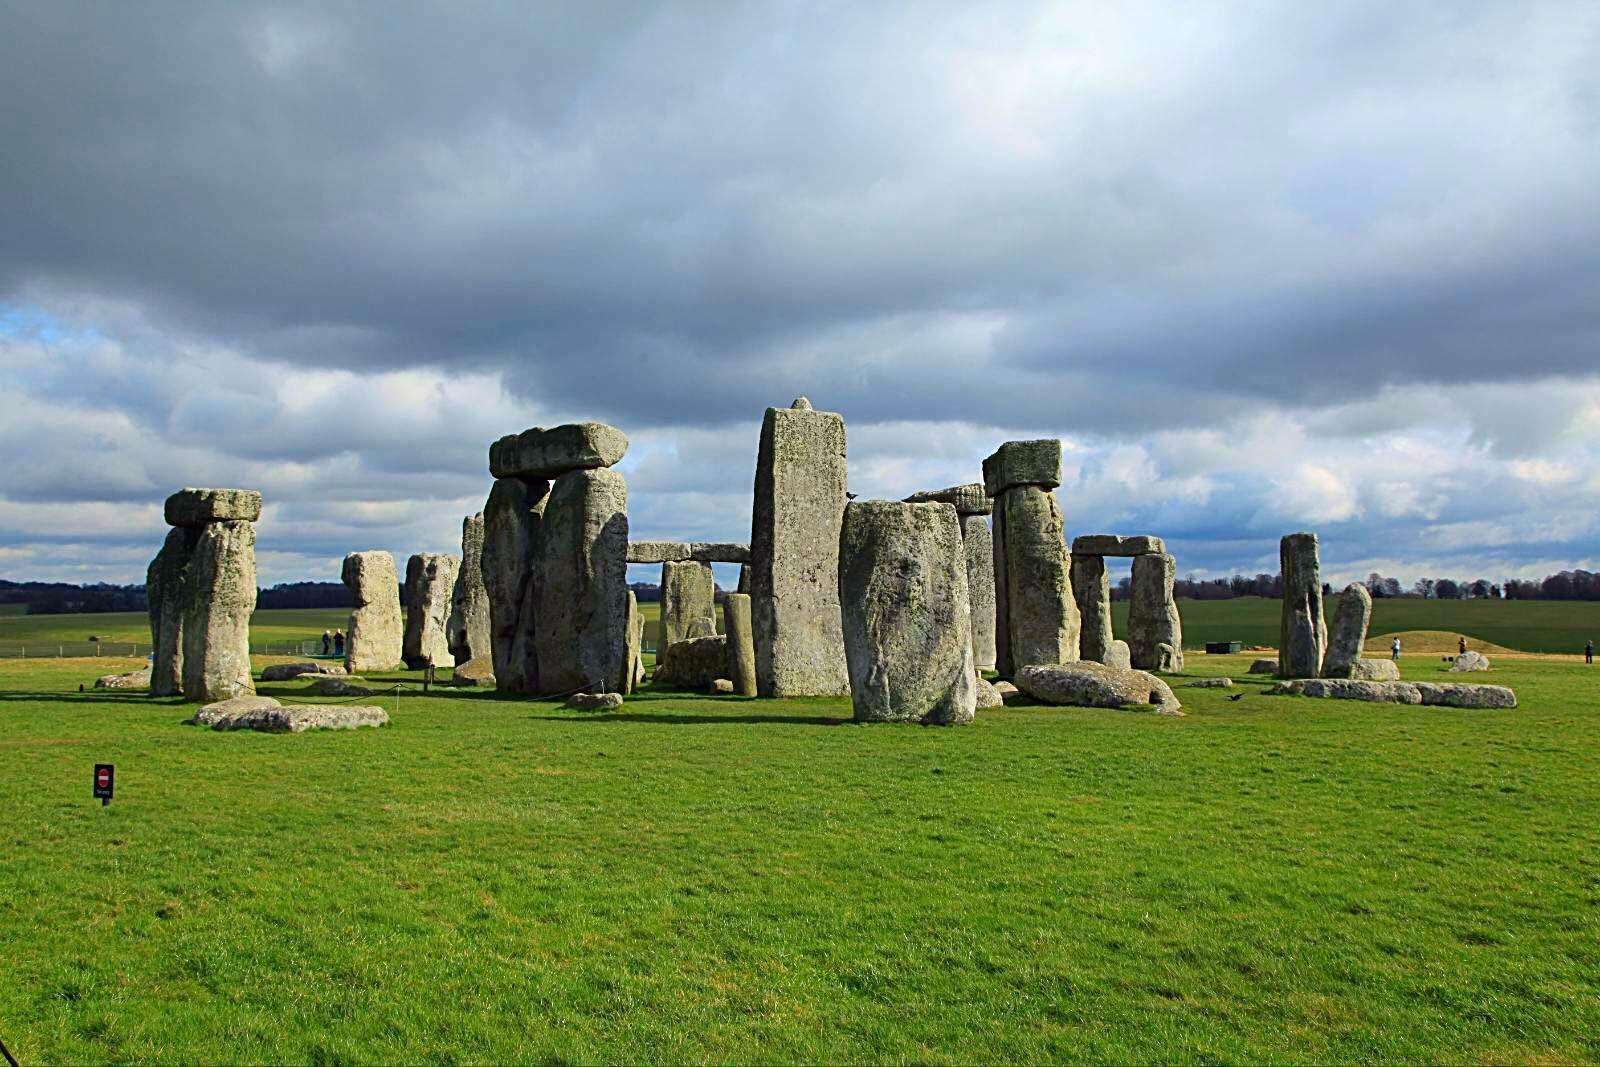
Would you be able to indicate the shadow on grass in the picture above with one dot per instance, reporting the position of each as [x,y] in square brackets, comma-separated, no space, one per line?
[93,696]
[679,719]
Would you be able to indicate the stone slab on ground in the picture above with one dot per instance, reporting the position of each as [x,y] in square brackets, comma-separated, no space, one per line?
[1433,694]
[594,701]
[139,679]
[1375,670]
[197,507]
[282,672]
[1095,685]
[1263,666]
[329,685]
[542,453]
[265,714]
[1470,661]
[1210,683]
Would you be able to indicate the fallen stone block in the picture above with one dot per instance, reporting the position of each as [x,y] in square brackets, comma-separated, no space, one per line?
[1350,689]
[328,685]
[1470,661]
[1094,685]
[283,672]
[1210,683]
[253,712]
[720,686]
[139,679]
[1263,666]
[594,701]
[1465,695]
[477,671]
[988,695]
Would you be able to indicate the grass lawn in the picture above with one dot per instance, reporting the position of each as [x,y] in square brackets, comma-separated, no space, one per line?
[721,879]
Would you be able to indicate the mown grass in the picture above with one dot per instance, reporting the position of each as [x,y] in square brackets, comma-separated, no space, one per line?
[730,880]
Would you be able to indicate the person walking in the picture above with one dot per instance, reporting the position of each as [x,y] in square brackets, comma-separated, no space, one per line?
[1461,646]
[338,642]
[327,643]
[1394,650]
[1588,651]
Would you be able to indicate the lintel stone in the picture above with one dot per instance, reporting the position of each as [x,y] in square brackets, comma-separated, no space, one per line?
[968,499]
[198,507]
[1023,463]
[1117,545]
[541,453]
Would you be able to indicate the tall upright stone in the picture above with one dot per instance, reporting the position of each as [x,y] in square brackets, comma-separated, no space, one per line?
[906,614]
[1303,633]
[469,625]
[1036,617]
[794,553]
[165,584]
[220,594]
[430,581]
[376,631]
[741,643]
[688,601]
[1091,588]
[512,518]
[580,583]
[1153,620]
[973,506]
[635,650]
[1350,622]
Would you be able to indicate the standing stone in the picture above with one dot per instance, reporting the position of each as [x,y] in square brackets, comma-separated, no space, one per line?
[688,601]
[978,546]
[744,578]
[430,580]
[1303,635]
[907,618]
[512,518]
[469,625]
[741,643]
[635,646]
[794,553]
[580,584]
[1091,588]
[1153,615]
[1036,617]
[1350,623]
[219,596]
[376,629]
[164,591]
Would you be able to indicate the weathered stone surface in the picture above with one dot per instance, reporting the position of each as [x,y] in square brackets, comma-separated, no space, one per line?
[1303,634]
[741,645]
[329,685]
[634,653]
[794,554]
[744,579]
[1004,688]
[1470,661]
[907,618]
[692,664]
[546,454]
[1368,670]
[1350,689]
[197,507]
[267,715]
[476,672]
[595,701]
[1153,618]
[138,679]
[688,595]
[1465,695]
[1036,618]
[987,695]
[430,582]
[376,632]
[1118,545]
[469,624]
[1211,683]
[1349,632]
[978,545]
[580,584]
[165,595]
[681,551]
[1091,588]
[220,594]
[1019,463]
[1263,666]
[512,519]
[969,499]
[721,687]
[1094,685]
[1118,655]
[283,672]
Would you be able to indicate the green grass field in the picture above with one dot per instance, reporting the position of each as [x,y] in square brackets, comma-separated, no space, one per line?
[694,879]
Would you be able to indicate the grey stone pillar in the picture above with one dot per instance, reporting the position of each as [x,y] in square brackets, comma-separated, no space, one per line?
[580,584]
[165,585]
[1303,634]
[221,594]
[375,636]
[512,518]
[907,619]
[973,507]
[1155,631]
[469,626]
[794,553]
[430,583]
[688,601]
[741,643]
[635,651]
[1091,588]
[1036,617]
[1349,634]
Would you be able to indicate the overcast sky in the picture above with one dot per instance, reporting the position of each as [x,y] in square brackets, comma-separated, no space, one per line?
[1261,266]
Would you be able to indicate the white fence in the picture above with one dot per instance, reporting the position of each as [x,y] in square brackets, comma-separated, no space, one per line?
[135,650]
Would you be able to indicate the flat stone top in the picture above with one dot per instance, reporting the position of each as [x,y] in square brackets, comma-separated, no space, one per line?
[541,453]
[197,507]
[1023,463]
[680,551]
[969,499]
[1117,545]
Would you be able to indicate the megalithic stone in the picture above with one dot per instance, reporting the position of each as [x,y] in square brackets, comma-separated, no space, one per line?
[1349,633]
[430,581]
[688,601]
[580,584]
[220,594]
[741,643]
[1036,618]
[512,518]
[907,617]
[376,634]
[794,553]
[1091,588]
[635,649]
[977,544]
[469,626]
[1153,619]
[1303,633]
[165,596]
[744,578]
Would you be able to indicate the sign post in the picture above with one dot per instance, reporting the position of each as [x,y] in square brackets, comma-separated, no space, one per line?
[104,782]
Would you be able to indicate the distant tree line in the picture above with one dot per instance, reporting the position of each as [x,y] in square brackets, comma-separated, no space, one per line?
[60,598]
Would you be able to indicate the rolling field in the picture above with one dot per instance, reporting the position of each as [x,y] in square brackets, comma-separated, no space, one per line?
[719,879]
